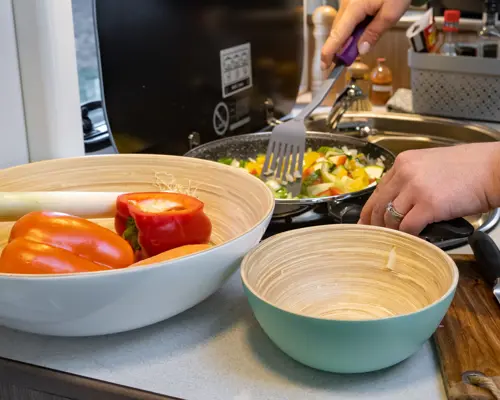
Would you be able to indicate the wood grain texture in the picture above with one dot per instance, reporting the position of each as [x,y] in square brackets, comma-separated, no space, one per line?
[469,336]
[345,272]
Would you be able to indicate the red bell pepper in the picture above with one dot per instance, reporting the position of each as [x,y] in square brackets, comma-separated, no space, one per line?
[154,222]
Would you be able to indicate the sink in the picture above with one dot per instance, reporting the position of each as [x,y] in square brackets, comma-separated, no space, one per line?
[400,132]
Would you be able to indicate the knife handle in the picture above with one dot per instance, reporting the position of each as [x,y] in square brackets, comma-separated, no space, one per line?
[487,255]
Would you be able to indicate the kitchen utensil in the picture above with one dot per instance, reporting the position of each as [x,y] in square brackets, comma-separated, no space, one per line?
[348,298]
[487,256]
[285,151]
[239,206]
[467,340]
[13,205]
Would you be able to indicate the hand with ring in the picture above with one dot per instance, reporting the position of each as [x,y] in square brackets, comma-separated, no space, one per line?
[438,184]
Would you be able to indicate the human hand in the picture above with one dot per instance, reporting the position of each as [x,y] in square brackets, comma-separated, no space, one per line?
[437,184]
[352,12]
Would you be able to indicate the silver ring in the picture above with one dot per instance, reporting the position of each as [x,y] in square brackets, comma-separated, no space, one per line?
[394,213]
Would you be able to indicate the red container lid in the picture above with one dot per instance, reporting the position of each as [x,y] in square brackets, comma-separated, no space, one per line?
[452,15]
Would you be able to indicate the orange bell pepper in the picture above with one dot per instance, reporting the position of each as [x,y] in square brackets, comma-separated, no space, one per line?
[50,242]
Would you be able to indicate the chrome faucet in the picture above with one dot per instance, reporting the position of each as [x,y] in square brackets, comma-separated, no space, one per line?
[344,101]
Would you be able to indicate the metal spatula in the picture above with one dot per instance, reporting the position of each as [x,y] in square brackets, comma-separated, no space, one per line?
[285,152]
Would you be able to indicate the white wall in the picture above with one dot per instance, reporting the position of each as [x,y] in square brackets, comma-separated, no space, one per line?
[13,145]
[49,78]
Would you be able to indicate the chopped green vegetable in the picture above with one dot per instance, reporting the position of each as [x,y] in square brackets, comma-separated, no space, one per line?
[281,193]
[225,160]
[311,178]
[325,149]
[329,171]
[374,171]
[309,181]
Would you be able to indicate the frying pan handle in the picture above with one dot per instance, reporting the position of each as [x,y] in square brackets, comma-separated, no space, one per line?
[453,229]
[439,231]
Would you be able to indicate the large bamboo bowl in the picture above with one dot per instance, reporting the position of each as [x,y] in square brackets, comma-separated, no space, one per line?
[326,297]
[239,206]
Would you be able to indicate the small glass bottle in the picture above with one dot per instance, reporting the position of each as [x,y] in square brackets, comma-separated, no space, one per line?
[489,35]
[450,29]
[381,83]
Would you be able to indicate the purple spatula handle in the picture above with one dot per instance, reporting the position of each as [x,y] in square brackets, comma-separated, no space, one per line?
[347,55]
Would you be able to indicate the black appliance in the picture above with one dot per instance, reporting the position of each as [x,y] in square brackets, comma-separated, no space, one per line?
[178,72]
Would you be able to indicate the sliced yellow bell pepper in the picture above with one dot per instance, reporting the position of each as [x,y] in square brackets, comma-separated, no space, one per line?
[340,172]
[361,174]
[254,168]
[357,184]
[310,158]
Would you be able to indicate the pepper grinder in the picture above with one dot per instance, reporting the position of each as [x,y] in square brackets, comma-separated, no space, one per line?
[322,19]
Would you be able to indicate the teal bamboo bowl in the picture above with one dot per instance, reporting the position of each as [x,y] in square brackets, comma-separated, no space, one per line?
[348,298]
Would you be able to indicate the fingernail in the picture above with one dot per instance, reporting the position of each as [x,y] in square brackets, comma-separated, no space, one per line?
[323,65]
[364,48]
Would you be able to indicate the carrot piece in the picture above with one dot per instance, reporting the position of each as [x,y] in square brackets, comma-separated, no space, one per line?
[173,253]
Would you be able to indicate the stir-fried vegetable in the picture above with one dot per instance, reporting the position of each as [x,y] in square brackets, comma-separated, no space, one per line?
[329,171]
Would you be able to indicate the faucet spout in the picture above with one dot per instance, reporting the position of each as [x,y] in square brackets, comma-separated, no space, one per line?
[345,99]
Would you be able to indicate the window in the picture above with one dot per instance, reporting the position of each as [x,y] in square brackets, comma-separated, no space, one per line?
[86,51]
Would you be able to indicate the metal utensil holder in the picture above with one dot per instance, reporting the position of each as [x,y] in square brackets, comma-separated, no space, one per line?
[458,87]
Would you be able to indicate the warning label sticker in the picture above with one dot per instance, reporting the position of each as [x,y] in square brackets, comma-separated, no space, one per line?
[236,69]
[220,118]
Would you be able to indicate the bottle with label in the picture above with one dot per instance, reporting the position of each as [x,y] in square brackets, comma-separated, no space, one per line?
[450,29]
[381,83]
[489,35]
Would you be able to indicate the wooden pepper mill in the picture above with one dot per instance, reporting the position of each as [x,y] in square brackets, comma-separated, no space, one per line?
[322,19]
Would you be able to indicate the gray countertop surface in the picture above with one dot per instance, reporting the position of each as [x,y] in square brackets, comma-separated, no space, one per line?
[217,350]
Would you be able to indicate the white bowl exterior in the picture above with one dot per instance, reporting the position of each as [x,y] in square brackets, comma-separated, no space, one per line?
[119,302]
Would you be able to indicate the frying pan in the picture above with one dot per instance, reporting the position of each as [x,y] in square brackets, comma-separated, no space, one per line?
[444,234]
[249,145]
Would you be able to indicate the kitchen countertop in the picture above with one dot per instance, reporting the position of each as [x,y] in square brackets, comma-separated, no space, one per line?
[217,350]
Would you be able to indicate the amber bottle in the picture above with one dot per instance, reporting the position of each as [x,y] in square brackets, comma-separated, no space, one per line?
[381,83]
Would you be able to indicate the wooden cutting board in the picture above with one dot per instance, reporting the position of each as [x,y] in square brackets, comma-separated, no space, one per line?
[468,338]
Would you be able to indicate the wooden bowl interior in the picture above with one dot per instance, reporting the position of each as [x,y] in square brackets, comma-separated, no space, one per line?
[235,201]
[340,272]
